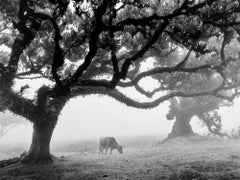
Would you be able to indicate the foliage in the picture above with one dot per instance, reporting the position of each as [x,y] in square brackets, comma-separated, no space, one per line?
[98,41]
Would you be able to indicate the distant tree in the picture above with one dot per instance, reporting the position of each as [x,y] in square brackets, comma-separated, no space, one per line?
[184,109]
[223,46]
[98,47]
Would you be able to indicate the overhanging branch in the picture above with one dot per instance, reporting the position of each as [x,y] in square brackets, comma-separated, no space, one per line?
[119,96]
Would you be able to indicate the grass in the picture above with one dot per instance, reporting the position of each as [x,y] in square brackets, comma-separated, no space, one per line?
[180,159]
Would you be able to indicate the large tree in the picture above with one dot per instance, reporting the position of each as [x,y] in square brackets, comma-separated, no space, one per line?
[98,47]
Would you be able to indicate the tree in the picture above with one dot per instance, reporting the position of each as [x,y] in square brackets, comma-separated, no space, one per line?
[204,107]
[224,43]
[98,47]
[183,109]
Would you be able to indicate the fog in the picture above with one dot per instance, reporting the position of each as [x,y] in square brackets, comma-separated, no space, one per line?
[91,117]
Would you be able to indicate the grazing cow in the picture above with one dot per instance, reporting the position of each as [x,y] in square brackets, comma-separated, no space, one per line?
[109,143]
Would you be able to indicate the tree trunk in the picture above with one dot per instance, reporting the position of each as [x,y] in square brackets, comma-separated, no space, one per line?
[182,126]
[40,148]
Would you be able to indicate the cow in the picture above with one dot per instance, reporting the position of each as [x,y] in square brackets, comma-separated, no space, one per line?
[109,143]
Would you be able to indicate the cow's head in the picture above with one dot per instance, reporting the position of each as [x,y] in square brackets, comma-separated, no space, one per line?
[120,149]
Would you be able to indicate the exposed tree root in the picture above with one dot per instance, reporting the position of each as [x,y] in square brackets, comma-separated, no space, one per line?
[32,158]
[8,162]
[168,139]
[25,159]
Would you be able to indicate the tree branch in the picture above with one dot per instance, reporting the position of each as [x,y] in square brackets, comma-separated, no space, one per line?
[99,27]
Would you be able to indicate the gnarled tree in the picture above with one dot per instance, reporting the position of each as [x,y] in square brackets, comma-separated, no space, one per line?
[184,109]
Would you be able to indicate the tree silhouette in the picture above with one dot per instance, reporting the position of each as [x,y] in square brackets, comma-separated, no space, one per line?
[183,110]
[98,47]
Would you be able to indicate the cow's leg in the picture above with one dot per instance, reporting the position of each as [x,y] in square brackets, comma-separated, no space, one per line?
[106,150]
[100,150]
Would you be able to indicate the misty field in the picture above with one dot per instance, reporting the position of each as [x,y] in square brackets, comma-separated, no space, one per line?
[182,158]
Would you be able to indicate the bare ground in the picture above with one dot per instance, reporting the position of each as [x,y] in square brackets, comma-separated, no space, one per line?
[181,159]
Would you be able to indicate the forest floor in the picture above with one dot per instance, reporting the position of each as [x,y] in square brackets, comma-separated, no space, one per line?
[179,159]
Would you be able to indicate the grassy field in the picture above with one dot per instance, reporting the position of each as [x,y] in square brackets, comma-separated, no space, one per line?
[181,159]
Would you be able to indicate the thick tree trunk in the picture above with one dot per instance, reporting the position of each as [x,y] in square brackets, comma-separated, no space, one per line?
[40,148]
[182,126]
